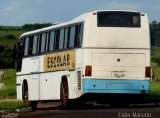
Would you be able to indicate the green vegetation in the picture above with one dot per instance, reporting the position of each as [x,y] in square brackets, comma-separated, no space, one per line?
[9,38]
[155,63]
[9,92]
[154,95]
[10,84]
[11,105]
[155,33]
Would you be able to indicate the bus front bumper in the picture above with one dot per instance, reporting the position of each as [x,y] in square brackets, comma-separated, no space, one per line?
[115,86]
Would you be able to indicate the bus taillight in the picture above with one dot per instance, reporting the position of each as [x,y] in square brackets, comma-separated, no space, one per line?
[148,72]
[88,70]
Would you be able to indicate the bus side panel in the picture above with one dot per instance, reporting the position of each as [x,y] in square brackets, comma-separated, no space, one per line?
[33,87]
[50,86]
[19,87]
[75,77]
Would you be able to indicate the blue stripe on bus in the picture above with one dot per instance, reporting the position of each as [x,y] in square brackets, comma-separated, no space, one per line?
[115,86]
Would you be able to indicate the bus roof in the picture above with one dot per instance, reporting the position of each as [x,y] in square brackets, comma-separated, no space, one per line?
[80,18]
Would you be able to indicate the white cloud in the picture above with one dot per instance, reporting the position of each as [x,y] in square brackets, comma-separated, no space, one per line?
[10,8]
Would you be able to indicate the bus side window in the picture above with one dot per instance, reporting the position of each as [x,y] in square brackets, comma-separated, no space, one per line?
[72,37]
[66,43]
[61,39]
[80,35]
[30,45]
[43,42]
[56,40]
[39,44]
[18,54]
[26,46]
[47,42]
[51,41]
[35,42]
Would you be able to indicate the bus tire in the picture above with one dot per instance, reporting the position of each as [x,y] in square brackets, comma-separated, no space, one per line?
[25,94]
[32,104]
[64,93]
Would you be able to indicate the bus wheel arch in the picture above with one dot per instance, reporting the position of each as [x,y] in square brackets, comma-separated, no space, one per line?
[25,96]
[25,92]
[64,92]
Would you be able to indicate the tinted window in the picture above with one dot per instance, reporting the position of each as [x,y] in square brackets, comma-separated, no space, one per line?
[51,42]
[26,46]
[79,33]
[56,41]
[30,46]
[43,40]
[39,44]
[118,19]
[47,42]
[35,41]
[72,36]
[66,38]
[61,39]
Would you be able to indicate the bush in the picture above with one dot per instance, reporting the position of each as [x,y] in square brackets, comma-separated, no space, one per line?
[10,36]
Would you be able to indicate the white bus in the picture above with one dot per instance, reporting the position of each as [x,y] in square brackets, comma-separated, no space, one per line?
[98,53]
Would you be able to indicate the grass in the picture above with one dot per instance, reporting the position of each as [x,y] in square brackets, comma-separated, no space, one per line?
[14,33]
[155,56]
[9,42]
[9,92]
[154,95]
[10,84]
[11,105]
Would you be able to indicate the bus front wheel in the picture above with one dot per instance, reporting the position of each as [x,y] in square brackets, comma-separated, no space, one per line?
[64,94]
[32,104]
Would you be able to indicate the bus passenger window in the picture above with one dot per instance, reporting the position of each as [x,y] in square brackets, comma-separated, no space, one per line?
[61,40]
[80,35]
[35,41]
[43,40]
[30,46]
[26,46]
[78,39]
[72,37]
[51,41]
[66,38]
[47,42]
[56,41]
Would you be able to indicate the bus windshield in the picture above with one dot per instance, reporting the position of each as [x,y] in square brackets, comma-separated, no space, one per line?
[118,19]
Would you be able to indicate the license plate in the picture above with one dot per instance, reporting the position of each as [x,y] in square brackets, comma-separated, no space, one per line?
[118,74]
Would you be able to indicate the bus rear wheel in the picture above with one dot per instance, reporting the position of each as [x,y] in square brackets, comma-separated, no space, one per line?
[64,94]
[32,104]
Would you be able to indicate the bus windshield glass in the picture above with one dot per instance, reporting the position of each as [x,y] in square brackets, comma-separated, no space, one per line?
[118,19]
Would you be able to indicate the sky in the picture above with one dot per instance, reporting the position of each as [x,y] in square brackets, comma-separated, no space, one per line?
[20,12]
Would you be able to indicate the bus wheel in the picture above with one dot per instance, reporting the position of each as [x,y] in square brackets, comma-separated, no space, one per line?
[32,104]
[25,95]
[64,94]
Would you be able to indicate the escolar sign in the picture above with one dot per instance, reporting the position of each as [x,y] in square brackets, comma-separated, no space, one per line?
[59,61]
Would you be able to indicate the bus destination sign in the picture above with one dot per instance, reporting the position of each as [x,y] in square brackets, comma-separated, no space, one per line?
[59,61]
